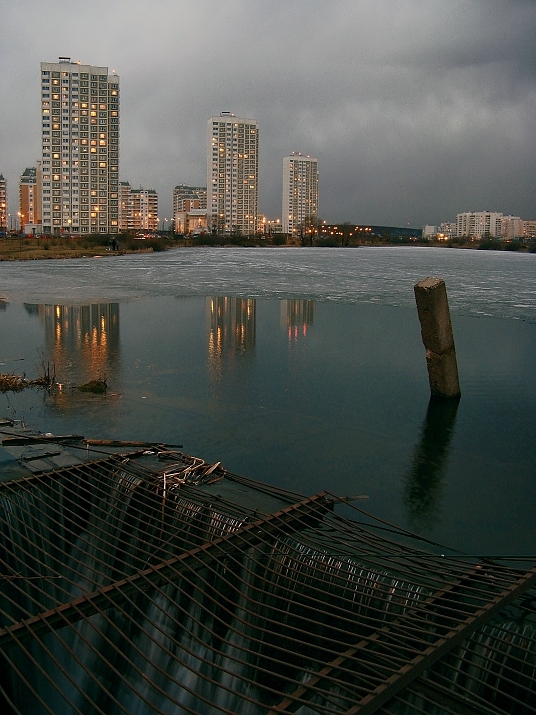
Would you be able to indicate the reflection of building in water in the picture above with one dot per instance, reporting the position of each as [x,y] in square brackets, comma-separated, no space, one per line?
[232,328]
[296,315]
[81,341]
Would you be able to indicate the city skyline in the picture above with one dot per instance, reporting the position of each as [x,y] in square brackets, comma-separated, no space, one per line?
[414,110]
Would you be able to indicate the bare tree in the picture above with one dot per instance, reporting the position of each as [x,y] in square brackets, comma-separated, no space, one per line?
[308,229]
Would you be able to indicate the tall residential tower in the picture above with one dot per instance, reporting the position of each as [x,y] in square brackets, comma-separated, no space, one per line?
[300,192]
[80,148]
[232,174]
[3,204]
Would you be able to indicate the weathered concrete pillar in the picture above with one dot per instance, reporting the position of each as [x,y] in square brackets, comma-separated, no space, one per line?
[436,330]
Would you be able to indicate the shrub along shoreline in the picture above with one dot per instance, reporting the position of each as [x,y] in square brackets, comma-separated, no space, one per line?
[20,248]
[26,248]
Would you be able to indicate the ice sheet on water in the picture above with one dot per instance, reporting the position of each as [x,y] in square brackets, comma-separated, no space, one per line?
[492,283]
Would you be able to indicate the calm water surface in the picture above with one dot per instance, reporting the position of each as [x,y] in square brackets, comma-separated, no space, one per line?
[303,368]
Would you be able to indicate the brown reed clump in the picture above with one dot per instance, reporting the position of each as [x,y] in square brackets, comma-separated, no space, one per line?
[13,383]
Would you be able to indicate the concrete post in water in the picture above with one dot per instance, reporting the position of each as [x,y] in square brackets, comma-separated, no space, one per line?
[436,330]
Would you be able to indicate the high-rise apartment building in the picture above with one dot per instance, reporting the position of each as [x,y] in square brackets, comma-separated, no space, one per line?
[139,208]
[300,192]
[30,196]
[80,148]
[3,204]
[232,174]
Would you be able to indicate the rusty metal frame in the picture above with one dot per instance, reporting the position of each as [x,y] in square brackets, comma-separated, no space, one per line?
[287,550]
[421,662]
[86,605]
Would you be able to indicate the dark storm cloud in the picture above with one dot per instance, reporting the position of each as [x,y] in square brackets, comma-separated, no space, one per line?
[416,110]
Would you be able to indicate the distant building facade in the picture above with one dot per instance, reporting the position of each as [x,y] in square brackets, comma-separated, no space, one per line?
[529,229]
[442,232]
[191,220]
[429,231]
[189,208]
[300,192]
[268,226]
[512,227]
[448,229]
[3,204]
[194,196]
[139,208]
[80,148]
[482,224]
[30,196]
[144,213]
[479,224]
[124,199]
[232,174]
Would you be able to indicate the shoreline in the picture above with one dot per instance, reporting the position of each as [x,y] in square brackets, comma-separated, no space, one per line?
[14,250]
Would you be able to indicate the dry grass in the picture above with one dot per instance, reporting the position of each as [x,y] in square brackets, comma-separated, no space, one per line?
[12,383]
[24,249]
[16,383]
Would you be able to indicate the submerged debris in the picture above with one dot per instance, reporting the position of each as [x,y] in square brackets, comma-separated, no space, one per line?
[16,383]
[96,386]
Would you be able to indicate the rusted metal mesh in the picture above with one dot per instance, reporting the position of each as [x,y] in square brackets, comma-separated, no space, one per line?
[134,588]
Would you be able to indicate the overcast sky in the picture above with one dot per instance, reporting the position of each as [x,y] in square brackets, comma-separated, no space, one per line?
[415,109]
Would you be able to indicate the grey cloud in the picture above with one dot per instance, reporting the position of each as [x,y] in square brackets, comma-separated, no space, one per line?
[416,109]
